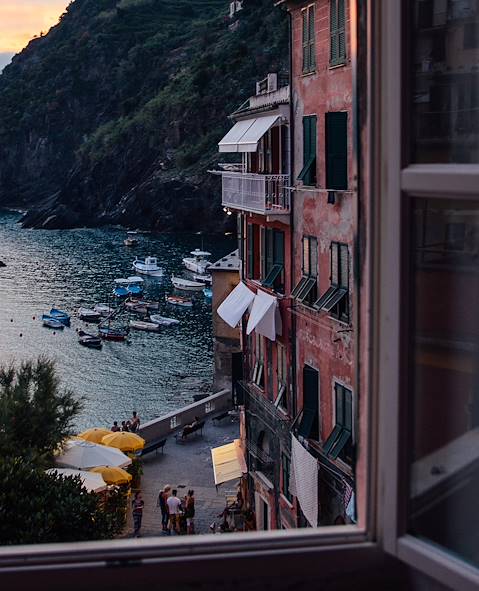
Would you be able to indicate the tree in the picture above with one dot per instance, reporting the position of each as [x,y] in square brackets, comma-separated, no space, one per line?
[36,507]
[36,414]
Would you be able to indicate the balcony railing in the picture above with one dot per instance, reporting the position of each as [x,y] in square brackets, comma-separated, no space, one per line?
[267,194]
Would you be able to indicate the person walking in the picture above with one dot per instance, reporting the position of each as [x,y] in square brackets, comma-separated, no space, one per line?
[137,508]
[162,502]
[174,509]
[190,512]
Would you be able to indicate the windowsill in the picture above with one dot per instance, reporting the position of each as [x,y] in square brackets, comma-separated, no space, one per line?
[342,322]
[306,74]
[257,283]
[287,501]
[334,66]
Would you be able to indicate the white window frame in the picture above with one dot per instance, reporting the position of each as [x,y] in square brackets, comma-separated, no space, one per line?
[396,184]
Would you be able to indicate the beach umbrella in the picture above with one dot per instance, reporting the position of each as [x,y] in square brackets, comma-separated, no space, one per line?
[124,441]
[92,482]
[113,475]
[95,434]
[83,455]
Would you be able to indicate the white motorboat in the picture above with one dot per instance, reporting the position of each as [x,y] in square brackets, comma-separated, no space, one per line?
[179,301]
[88,315]
[146,326]
[148,266]
[205,278]
[198,262]
[131,239]
[187,285]
[163,320]
[103,309]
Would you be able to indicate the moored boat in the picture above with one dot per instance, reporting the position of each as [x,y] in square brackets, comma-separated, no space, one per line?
[179,301]
[208,292]
[146,326]
[187,284]
[204,278]
[163,320]
[198,262]
[135,290]
[60,315]
[103,309]
[131,239]
[49,322]
[89,340]
[120,292]
[148,266]
[89,315]
[113,334]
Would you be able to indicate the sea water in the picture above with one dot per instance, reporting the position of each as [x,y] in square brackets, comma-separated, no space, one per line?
[152,374]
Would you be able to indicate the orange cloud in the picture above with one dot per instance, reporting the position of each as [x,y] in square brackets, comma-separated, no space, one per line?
[21,20]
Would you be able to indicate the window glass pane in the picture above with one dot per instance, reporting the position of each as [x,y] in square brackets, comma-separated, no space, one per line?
[445,375]
[445,84]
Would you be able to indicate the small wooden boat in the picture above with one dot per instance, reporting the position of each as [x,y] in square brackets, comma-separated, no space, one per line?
[60,315]
[113,334]
[89,340]
[179,301]
[135,290]
[89,315]
[130,239]
[120,292]
[187,285]
[146,326]
[140,310]
[103,309]
[52,323]
[163,320]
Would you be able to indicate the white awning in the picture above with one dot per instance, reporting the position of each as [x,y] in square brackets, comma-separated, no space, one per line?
[228,462]
[236,304]
[264,316]
[245,135]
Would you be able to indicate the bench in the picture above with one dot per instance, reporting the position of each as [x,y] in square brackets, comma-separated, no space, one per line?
[187,430]
[221,416]
[154,445]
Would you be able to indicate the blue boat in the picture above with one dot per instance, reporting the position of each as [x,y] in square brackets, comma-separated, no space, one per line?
[135,290]
[120,292]
[50,322]
[208,292]
[60,315]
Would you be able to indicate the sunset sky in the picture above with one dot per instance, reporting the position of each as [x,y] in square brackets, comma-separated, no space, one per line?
[20,20]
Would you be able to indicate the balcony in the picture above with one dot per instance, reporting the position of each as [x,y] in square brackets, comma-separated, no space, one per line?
[266,194]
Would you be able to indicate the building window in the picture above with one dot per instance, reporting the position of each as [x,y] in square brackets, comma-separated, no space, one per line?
[306,291]
[308,173]
[309,51]
[336,299]
[282,373]
[272,258]
[337,31]
[285,475]
[337,151]
[309,425]
[252,266]
[258,371]
[340,444]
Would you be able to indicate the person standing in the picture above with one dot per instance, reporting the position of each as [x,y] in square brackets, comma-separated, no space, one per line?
[190,512]
[137,508]
[115,427]
[134,422]
[162,502]
[124,426]
[174,510]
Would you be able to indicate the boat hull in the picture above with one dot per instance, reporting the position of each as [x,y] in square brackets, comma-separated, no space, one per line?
[52,323]
[144,326]
[178,301]
[113,335]
[163,320]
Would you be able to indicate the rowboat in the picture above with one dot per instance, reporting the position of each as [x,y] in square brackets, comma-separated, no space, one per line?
[146,326]
[103,309]
[163,320]
[120,291]
[89,315]
[141,310]
[63,317]
[148,266]
[179,301]
[204,278]
[52,323]
[131,239]
[187,285]
[113,334]
[89,340]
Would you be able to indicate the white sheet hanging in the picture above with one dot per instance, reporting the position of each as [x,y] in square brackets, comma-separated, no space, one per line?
[303,483]
[262,317]
[236,304]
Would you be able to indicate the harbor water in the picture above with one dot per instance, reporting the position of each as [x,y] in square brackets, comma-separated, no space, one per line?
[152,373]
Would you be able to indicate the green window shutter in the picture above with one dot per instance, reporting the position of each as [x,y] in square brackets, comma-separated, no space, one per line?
[348,410]
[334,264]
[344,266]
[341,31]
[308,174]
[333,32]
[337,151]
[269,250]
[262,251]
[250,269]
[313,247]
[304,14]
[339,405]
[278,255]
[306,267]
[311,39]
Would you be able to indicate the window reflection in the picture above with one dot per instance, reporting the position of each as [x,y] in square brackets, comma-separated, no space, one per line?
[445,85]
[445,428]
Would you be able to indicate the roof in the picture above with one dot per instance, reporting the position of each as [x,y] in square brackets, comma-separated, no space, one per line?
[230,262]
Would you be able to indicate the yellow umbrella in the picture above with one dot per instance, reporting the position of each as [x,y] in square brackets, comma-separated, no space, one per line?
[113,475]
[94,435]
[124,441]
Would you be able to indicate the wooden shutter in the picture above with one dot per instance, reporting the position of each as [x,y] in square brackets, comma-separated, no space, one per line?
[348,410]
[262,240]
[333,32]
[339,405]
[341,31]
[337,151]
[334,263]
[311,40]
[250,253]
[344,266]
[278,253]
[304,14]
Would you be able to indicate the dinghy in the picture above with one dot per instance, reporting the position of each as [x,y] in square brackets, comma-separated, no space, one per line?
[163,320]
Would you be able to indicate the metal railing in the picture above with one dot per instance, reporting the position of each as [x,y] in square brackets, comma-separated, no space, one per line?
[258,193]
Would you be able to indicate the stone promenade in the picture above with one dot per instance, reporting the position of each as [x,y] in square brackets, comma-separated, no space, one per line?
[184,466]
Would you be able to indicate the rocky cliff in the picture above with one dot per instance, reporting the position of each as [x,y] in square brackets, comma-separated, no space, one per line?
[114,115]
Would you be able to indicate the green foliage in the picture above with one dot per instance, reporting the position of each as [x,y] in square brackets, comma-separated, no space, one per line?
[36,414]
[136,470]
[37,508]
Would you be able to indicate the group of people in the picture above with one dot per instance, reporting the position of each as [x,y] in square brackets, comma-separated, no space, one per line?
[131,425]
[177,515]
